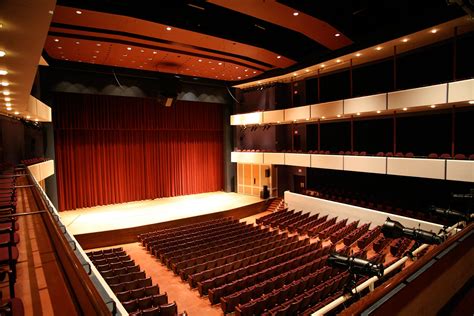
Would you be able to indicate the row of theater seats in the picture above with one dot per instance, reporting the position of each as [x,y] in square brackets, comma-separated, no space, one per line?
[32,161]
[247,269]
[131,286]
[366,201]
[336,231]
[364,153]
[9,238]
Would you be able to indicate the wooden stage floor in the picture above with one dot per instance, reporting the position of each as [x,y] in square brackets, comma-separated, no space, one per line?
[141,213]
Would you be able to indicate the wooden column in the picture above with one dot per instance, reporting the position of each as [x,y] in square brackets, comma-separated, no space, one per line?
[319,134]
[352,133]
[453,130]
[394,132]
[319,86]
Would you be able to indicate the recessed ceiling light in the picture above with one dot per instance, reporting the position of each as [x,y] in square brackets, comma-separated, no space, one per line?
[168,28]
[77,43]
[434,31]
[337,34]
[16,112]
[254,72]
[339,115]
[8,99]
[278,56]
[278,122]
[323,65]
[8,104]
[238,77]
[323,117]
[296,13]
[3,72]
[219,64]
[307,118]
[141,66]
[404,109]
[56,39]
[94,56]
[295,74]
[6,92]
[378,112]
[405,40]
[2,53]
[358,54]
[28,117]
[78,12]
[358,113]
[432,106]
[471,102]
[5,83]
[338,60]
[246,70]
[307,70]
[9,109]
[124,55]
[200,60]
[59,47]
[36,120]
[129,48]
[142,51]
[259,82]
[97,51]
[154,53]
[378,48]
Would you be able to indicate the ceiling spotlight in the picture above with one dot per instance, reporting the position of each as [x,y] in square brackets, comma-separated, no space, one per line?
[129,48]
[16,112]
[36,120]
[9,109]
[404,109]
[254,72]
[8,104]
[168,28]
[323,65]
[78,12]
[295,74]
[142,51]
[358,113]
[28,117]
[337,34]
[378,48]
[339,115]
[471,102]
[7,99]
[296,13]
[434,31]
[3,72]
[432,106]
[219,64]
[278,56]
[405,40]
[338,60]
[5,83]
[238,77]
[154,53]
[358,54]
[378,112]
[323,117]
[200,60]
[77,43]
[2,53]
[6,92]
[56,39]
[259,82]
[246,70]
[307,70]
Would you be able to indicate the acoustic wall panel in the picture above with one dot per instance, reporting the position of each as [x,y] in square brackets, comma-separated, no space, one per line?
[371,103]
[274,158]
[460,170]
[460,91]
[335,162]
[417,167]
[436,94]
[298,160]
[328,109]
[365,164]
[273,116]
[244,157]
[297,114]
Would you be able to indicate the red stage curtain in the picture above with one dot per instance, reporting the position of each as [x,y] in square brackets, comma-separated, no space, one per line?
[119,149]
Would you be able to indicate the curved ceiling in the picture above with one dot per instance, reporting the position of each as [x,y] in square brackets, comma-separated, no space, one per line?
[228,40]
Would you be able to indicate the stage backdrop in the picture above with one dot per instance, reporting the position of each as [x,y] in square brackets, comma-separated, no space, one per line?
[118,149]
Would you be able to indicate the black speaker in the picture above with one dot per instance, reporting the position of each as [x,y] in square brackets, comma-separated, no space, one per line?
[265,192]
[267,173]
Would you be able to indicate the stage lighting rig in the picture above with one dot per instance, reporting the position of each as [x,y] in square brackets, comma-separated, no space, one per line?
[393,229]
[356,267]
[449,213]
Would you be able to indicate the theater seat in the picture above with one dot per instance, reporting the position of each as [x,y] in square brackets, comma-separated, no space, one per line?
[13,307]
[170,309]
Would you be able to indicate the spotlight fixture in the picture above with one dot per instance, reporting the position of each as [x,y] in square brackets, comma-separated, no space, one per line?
[6,92]
[338,60]
[356,265]
[378,48]
[9,109]
[339,115]
[2,53]
[28,117]
[405,40]
[432,106]
[56,39]
[393,229]
[471,102]
[16,112]
[78,12]
[448,213]
[3,72]
[7,99]
[404,109]
[8,104]
[278,56]
[434,31]
[296,13]
[337,34]
[358,54]
[358,113]
[5,83]
[378,111]
[129,48]
[168,28]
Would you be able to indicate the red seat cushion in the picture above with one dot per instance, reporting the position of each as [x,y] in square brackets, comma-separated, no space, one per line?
[4,254]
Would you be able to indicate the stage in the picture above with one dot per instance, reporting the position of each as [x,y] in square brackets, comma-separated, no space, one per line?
[120,223]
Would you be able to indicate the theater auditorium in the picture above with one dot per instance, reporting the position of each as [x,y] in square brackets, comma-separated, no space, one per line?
[252,157]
